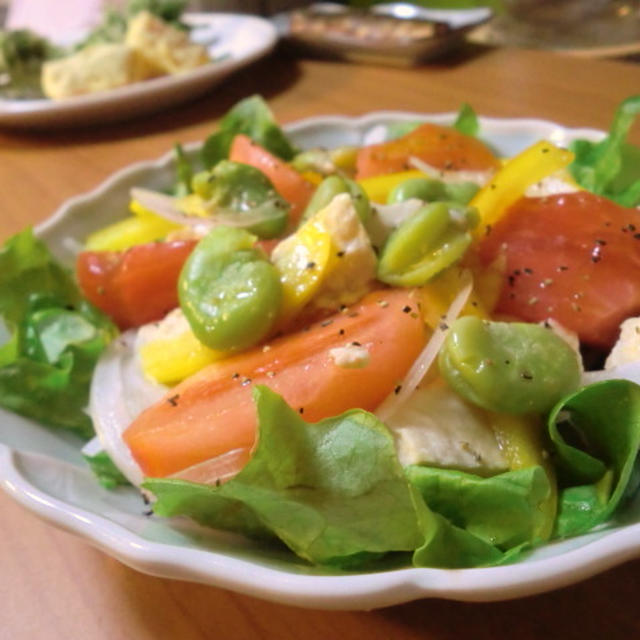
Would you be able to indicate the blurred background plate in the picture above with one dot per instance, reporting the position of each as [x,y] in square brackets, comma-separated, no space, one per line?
[233,40]
[397,33]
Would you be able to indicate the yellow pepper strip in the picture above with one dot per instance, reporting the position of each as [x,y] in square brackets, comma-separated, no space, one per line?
[172,359]
[313,177]
[511,181]
[303,261]
[520,440]
[436,297]
[379,187]
[144,226]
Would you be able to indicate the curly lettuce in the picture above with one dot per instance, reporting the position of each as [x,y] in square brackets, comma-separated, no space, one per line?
[54,337]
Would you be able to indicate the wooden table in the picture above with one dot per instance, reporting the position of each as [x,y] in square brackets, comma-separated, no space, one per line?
[54,586]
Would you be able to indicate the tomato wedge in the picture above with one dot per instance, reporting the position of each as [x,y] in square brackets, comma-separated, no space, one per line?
[212,412]
[295,189]
[438,146]
[572,257]
[135,286]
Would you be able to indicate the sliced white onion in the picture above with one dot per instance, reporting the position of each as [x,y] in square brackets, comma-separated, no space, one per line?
[119,393]
[424,361]
[479,177]
[168,208]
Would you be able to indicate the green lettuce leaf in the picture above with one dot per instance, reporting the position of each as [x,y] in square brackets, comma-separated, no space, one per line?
[184,172]
[611,167]
[253,118]
[55,337]
[595,434]
[478,521]
[467,121]
[106,472]
[333,492]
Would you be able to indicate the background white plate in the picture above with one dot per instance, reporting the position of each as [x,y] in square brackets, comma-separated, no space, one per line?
[241,39]
[44,471]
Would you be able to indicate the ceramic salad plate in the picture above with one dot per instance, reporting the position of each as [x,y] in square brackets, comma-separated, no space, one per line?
[44,470]
[233,41]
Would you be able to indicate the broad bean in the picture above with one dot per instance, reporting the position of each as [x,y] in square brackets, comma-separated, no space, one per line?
[432,239]
[229,292]
[508,367]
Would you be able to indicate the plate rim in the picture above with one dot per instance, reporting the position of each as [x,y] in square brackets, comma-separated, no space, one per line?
[350,591]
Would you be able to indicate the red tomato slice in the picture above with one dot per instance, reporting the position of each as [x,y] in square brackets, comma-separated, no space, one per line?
[135,286]
[574,258]
[212,412]
[441,147]
[295,189]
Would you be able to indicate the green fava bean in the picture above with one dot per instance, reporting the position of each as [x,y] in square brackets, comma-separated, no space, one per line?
[246,191]
[432,190]
[228,291]
[508,367]
[332,186]
[428,242]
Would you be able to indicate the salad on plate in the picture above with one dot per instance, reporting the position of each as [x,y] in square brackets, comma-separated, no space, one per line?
[410,351]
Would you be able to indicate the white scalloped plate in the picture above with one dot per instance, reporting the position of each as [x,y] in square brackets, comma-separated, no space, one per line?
[43,470]
[235,40]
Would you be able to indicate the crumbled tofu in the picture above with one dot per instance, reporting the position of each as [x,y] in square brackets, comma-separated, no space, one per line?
[97,68]
[555,184]
[164,47]
[351,356]
[627,348]
[437,427]
[354,269]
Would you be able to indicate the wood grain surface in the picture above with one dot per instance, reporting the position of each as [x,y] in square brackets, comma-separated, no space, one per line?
[53,586]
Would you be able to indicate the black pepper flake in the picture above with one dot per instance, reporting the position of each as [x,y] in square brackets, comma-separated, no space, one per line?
[488,229]
[355,343]
[596,257]
[147,512]
[341,332]
[516,272]
[340,254]
[311,265]
[563,267]
[326,323]
[406,309]
[545,149]
[512,281]
[474,303]
[246,381]
[443,326]
[218,482]
[235,376]
[301,410]
[353,314]
[528,271]
[398,389]
[343,307]
[636,236]
[173,400]
[602,243]
[525,375]
[507,361]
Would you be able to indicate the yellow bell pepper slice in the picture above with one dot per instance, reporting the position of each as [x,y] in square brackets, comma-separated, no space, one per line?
[378,188]
[303,263]
[172,359]
[509,184]
[144,226]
